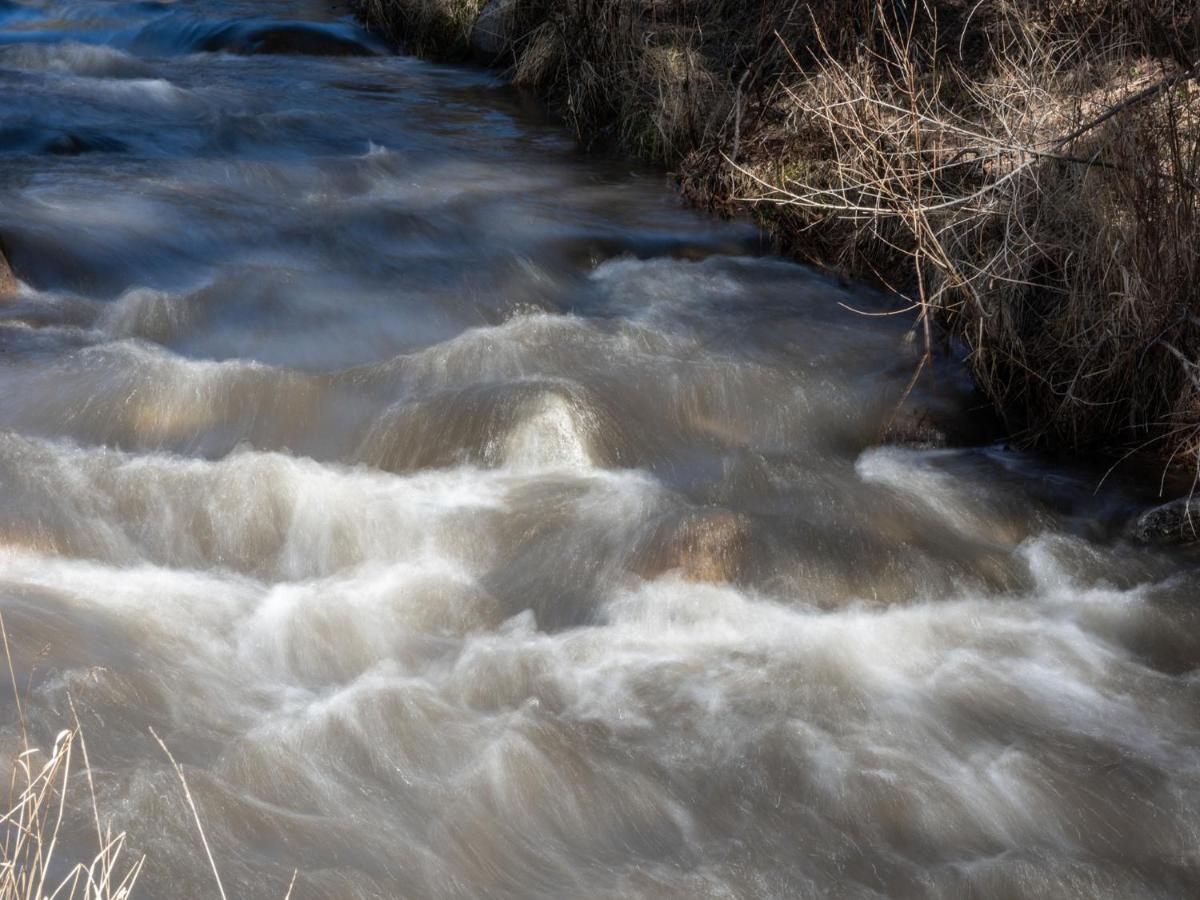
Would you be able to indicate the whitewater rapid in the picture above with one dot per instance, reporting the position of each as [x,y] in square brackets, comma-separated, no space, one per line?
[474,521]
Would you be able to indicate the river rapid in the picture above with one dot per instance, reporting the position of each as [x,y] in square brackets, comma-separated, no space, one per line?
[474,521]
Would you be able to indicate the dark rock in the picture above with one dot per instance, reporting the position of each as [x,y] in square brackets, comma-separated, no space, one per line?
[1177,522]
[929,429]
[303,38]
[32,138]
[182,34]
[76,144]
[914,428]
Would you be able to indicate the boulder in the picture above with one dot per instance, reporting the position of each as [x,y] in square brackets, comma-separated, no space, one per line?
[489,35]
[1177,522]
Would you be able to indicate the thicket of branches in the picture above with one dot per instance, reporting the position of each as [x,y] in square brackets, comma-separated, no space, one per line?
[1042,190]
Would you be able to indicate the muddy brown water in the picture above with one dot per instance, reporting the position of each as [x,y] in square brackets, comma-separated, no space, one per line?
[474,521]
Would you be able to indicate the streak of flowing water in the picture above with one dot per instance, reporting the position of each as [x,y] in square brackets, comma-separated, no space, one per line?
[474,521]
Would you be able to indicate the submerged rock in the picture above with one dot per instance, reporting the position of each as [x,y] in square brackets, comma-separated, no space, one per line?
[1177,522]
[70,143]
[182,34]
[38,540]
[704,546]
[31,139]
[303,38]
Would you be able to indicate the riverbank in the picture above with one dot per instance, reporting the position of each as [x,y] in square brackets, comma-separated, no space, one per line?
[1028,179]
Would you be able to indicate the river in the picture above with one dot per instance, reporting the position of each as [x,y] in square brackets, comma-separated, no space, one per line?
[473,520]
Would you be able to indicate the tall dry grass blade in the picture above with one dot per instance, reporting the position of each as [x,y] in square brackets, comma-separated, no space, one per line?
[187,793]
[12,676]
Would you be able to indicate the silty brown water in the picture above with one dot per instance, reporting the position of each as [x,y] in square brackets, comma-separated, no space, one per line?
[472,520]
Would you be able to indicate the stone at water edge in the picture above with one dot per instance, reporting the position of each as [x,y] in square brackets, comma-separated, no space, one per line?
[918,429]
[1177,522]
[929,428]
[489,35]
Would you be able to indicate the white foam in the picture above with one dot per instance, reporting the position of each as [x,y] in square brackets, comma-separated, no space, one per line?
[966,505]
[157,91]
[263,513]
[71,58]
[549,436]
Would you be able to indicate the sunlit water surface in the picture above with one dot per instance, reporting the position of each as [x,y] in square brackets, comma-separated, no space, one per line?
[474,521]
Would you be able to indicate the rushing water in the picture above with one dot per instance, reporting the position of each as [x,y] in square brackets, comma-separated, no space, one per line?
[473,521]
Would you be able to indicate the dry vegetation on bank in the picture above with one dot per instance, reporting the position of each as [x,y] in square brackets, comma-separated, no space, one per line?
[1025,171]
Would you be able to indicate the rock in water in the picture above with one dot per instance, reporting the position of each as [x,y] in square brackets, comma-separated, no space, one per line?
[1177,522]
[908,428]
[706,546]
[8,281]
[489,36]
[937,428]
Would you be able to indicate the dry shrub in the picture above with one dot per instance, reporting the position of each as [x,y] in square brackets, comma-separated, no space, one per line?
[1043,197]
[1161,28]
[678,99]
[1084,333]
[671,78]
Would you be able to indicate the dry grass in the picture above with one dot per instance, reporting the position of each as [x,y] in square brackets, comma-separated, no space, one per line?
[29,832]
